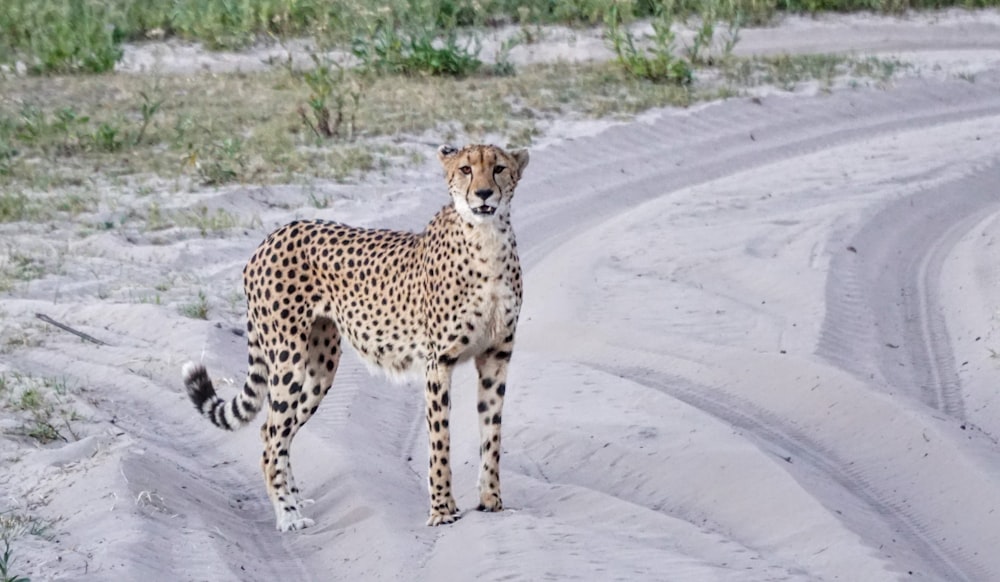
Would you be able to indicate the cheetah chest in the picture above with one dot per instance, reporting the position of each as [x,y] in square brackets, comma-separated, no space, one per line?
[495,301]
[496,316]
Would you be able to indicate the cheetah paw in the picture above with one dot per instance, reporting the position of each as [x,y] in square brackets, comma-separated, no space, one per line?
[490,503]
[442,516]
[294,523]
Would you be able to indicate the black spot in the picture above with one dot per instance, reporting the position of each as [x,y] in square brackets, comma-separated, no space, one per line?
[447,360]
[501,389]
[482,406]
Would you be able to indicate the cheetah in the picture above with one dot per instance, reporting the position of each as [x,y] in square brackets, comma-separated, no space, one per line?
[407,303]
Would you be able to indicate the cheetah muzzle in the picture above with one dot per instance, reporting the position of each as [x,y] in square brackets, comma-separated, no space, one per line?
[406,302]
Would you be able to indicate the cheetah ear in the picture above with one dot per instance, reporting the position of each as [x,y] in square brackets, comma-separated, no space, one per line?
[521,157]
[446,151]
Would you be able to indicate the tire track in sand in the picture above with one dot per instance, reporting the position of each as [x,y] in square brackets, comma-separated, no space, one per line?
[884,314]
[820,469]
[590,181]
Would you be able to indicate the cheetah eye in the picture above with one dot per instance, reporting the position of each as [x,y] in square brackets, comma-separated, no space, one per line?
[466,170]
[498,169]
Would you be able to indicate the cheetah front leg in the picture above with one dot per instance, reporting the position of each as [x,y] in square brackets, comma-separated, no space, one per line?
[438,398]
[492,368]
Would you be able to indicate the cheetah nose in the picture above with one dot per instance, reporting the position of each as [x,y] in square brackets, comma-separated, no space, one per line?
[484,193]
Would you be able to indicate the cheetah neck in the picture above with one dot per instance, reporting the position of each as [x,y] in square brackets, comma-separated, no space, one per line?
[492,241]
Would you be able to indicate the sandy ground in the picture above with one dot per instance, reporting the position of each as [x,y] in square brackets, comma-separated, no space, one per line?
[757,344]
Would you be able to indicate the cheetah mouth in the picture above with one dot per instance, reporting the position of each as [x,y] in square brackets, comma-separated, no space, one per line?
[484,210]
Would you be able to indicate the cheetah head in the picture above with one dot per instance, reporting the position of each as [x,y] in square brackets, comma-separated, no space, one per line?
[481,179]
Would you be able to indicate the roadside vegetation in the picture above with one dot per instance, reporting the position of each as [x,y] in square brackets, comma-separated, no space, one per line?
[378,71]
[86,35]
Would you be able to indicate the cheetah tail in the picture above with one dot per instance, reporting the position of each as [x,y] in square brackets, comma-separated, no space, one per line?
[231,414]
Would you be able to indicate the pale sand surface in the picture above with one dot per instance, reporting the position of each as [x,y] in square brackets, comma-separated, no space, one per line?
[757,344]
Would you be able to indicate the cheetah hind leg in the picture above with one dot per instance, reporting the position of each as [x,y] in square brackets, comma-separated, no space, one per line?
[307,384]
[322,359]
[277,472]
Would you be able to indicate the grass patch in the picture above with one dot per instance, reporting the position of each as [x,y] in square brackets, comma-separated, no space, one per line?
[216,129]
[41,404]
[200,217]
[17,267]
[197,309]
[14,525]
[788,71]
[266,127]
[207,221]
[15,206]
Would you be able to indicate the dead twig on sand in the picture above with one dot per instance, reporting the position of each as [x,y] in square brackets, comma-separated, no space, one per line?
[65,327]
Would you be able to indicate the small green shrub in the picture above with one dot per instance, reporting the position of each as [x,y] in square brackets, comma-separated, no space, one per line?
[392,50]
[220,162]
[107,138]
[708,48]
[148,108]
[198,309]
[334,99]
[657,63]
